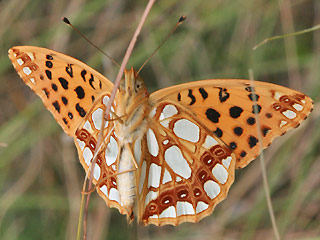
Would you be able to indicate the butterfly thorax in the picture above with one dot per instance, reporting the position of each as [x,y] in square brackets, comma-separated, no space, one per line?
[132,109]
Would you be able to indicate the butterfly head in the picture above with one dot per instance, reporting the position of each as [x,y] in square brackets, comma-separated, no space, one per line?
[132,85]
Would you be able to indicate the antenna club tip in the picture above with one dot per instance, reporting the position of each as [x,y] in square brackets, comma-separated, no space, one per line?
[182,18]
[66,20]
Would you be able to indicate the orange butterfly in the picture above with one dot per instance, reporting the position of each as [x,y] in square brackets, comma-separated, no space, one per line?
[174,152]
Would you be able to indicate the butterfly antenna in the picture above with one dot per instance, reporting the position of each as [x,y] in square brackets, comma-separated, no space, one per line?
[182,18]
[66,20]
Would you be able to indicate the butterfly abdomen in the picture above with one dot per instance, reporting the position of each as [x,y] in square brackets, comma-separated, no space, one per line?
[126,179]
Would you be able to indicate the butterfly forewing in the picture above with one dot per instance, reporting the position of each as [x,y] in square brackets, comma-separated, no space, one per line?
[67,87]
[226,108]
[76,96]
[186,170]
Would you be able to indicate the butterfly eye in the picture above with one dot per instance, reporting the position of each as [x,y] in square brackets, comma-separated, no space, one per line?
[138,85]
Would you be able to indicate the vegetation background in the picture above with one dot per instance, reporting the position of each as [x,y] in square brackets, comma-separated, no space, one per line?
[40,176]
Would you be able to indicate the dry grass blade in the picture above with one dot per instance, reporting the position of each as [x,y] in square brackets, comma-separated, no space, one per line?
[262,162]
[108,108]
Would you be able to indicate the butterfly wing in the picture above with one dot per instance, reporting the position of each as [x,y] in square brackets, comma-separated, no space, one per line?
[226,106]
[67,87]
[185,169]
[76,95]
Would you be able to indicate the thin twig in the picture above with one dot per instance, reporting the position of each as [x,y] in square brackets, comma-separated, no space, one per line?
[317,27]
[262,162]
[107,110]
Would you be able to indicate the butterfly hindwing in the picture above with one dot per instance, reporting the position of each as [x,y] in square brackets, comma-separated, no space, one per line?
[186,169]
[67,87]
[226,108]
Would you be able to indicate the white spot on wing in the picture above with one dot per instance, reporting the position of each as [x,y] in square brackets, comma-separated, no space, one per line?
[226,161]
[32,80]
[184,208]
[142,176]
[154,216]
[168,111]
[303,101]
[178,179]
[277,95]
[87,126]
[201,206]
[165,123]
[87,155]
[96,172]
[152,112]
[220,173]
[169,212]
[282,123]
[297,107]
[111,151]
[154,175]
[104,189]
[114,195]
[20,61]
[187,130]
[81,144]
[97,118]
[27,70]
[165,142]
[177,162]
[211,188]
[209,142]
[289,114]
[30,55]
[105,100]
[150,196]
[137,150]
[166,177]
[152,143]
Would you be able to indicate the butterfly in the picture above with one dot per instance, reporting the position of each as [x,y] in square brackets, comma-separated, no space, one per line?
[172,153]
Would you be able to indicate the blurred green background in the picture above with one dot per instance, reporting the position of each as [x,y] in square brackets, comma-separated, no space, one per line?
[40,176]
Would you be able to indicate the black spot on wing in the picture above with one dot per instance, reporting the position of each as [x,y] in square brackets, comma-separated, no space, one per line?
[249,89]
[64,83]
[83,74]
[252,141]
[49,64]
[243,154]
[64,100]
[93,98]
[265,131]
[179,97]
[269,115]
[49,57]
[80,110]
[233,145]
[54,87]
[41,77]
[218,132]
[80,92]
[56,106]
[69,70]
[91,80]
[49,74]
[235,111]
[203,93]
[254,97]
[100,84]
[190,95]
[70,115]
[256,108]
[65,121]
[46,92]
[238,131]
[251,121]
[213,115]
[223,95]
